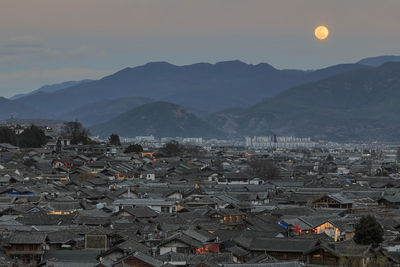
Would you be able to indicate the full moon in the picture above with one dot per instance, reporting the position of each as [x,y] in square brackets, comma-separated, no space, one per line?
[321,32]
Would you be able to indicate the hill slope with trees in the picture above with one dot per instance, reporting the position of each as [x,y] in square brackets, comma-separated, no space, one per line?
[160,119]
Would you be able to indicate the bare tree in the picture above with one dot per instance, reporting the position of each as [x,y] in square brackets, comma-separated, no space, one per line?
[75,131]
[263,168]
[398,153]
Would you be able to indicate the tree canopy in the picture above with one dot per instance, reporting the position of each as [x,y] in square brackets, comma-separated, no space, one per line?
[329,158]
[7,136]
[76,132]
[114,140]
[368,231]
[398,153]
[134,148]
[172,148]
[32,136]
[263,168]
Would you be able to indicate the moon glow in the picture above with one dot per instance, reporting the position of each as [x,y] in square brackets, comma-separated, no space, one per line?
[321,32]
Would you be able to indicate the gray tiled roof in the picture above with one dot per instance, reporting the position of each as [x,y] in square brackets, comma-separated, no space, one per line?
[71,257]
[184,239]
[143,202]
[275,244]
[27,238]
[272,264]
[144,258]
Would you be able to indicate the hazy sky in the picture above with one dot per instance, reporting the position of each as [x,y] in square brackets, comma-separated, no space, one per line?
[48,41]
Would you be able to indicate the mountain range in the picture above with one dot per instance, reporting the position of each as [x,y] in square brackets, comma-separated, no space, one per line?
[358,105]
[377,61]
[342,102]
[51,88]
[202,88]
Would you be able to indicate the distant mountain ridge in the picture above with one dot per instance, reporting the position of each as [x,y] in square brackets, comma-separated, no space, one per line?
[51,88]
[377,61]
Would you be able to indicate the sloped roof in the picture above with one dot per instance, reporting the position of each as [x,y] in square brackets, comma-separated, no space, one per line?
[70,257]
[140,212]
[27,238]
[197,258]
[345,248]
[276,244]
[272,264]
[64,205]
[133,245]
[144,258]
[202,236]
[340,198]
[395,198]
[238,251]
[350,248]
[62,236]
[45,219]
[184,239]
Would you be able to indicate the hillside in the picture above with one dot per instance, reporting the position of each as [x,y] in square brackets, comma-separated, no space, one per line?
[159,119]
[104,110]
[358,105]
[9,109]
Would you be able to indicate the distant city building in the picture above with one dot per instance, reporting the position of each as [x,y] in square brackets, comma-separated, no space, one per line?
[278,142]
[195,141]
[144,138]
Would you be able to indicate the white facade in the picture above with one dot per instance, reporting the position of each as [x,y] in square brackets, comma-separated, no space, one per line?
[278,142]
[196,141]
[148,176]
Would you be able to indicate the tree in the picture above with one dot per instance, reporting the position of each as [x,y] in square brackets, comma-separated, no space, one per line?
[32,136]
[329,158]
[368,231]
[263,168]
[114,140]
[172,148]
[74,131]
[193,150]
[135,148]
[7,136]
[307,153]
[398,154]
[58,146]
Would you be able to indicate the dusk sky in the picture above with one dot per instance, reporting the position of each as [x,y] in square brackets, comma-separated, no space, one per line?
[49,41]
